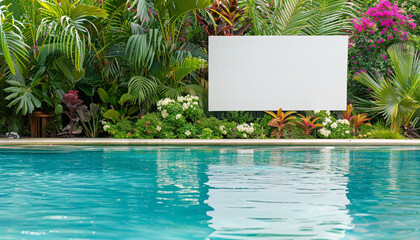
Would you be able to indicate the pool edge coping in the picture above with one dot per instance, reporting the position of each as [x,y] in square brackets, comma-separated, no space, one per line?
[208,142]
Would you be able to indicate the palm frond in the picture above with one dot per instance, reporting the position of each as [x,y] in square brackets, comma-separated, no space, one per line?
[13,48]
[330,17]
[65,25]
[188,65]
[142,49]
[142,87]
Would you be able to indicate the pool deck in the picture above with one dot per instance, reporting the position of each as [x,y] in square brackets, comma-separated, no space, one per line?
[212,142]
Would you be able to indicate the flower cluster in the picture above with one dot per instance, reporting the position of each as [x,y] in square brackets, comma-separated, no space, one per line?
[222,129]
[380,27]
[332,128]
[245,129]
[190,106]
[164,102]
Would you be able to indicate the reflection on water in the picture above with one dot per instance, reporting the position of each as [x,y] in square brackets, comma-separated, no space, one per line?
[291,197]
[384,194]
[209,193]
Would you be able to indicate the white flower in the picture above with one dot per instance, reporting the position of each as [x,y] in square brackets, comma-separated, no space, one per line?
[158,128]
[178,116]
[326,121]
[164,102]
[245,128]
[185,106]
[188,133]
[244,135]
[180,99]
[324,132]
[222,127]
[328,112]
[164,113]
[343,121]
[106,127]
[317,111]
[334,125]
[195,103]
[348,132]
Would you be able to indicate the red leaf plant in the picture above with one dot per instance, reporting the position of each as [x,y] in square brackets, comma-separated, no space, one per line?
[72,101]
[307,124]
[359,120]
[279,121]
[229,19]
[348,113]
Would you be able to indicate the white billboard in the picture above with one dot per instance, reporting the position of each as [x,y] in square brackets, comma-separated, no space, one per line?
[257,73]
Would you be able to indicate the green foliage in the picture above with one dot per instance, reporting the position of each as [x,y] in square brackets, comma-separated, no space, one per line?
[385,134]
[13,48]
[264,130]
[148,126]
[396,97]
[65,24]
[187,130]
[121,129]
[294,132]
[23,96]
[213,124]
[112,115]
[300,17]
[90,120]
[207,133]
[238,116]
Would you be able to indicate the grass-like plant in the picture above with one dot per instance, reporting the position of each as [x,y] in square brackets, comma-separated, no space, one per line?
[279,121]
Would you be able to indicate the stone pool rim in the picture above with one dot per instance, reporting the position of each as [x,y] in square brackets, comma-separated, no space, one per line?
[207,142]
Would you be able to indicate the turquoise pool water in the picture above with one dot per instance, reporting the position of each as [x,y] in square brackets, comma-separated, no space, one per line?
[209,193]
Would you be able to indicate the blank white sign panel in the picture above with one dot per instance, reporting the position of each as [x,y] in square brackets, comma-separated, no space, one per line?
[257,73]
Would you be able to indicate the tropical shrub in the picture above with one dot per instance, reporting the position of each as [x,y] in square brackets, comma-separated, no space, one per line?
[148,126]
[238,116]
[226,18]
[121,129]
[332,128]
[358,120]
[279,122]
[396,97]
[72,102]
[187,130]
[214,124]
[379,27]
[307,124]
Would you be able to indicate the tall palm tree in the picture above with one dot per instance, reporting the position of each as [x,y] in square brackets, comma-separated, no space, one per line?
[397,98]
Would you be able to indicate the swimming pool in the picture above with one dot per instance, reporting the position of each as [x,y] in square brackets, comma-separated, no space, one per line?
[209,193]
